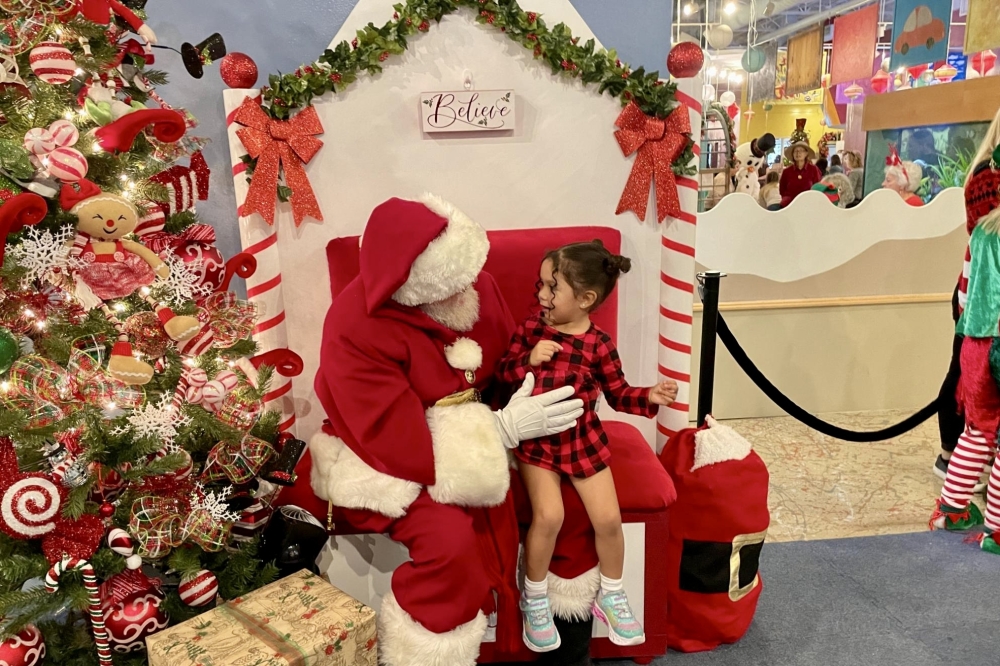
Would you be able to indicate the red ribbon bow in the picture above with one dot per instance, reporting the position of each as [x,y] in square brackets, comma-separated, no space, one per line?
[276,144]
[659,143]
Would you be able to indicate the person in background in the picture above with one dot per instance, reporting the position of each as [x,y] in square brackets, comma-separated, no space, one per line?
[903,178]
[951,421]
[770,197]
[835,165]
[856,173]
[801,174]
[822,164]
[840,183]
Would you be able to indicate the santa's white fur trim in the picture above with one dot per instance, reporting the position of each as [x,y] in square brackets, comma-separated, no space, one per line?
[451,262]
[470,461]
[572,599]
[465,354]
[340,476]
[718,443]
[402,641]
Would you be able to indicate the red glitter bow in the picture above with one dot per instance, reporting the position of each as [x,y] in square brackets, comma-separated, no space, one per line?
[276,144]
[659,143]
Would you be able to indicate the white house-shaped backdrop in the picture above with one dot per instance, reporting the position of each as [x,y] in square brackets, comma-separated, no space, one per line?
[561,166]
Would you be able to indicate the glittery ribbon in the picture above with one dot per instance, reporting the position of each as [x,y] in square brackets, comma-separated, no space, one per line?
[158,241]
[52,393]
[160,524]
[228,318]
[239,463]
[657,144]
[275,144]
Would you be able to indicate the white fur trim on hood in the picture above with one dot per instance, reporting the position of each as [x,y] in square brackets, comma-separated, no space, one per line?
[451,262]
[470,461]
[573,598]
[402,641]
[340,476]
[465,354]
[718,443]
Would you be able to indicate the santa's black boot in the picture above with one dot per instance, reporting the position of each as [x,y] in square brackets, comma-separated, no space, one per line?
[575,648]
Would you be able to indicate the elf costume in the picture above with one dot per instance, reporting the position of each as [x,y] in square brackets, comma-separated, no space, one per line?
[410,451]
[978,390]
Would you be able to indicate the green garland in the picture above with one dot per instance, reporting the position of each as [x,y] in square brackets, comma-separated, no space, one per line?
[339,67]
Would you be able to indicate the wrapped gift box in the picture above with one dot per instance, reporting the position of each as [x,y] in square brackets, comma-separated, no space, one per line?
[300,620]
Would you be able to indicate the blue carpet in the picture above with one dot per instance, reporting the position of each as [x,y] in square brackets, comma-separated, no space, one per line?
[923,599]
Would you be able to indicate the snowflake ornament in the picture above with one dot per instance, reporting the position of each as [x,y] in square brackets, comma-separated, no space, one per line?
[45,255]
[181,286]
[214,503]
[159,420]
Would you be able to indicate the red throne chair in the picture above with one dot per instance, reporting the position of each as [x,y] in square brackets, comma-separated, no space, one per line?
[644,488]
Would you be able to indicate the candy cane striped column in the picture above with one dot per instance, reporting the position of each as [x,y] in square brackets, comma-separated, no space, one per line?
[264,287]
[677,281]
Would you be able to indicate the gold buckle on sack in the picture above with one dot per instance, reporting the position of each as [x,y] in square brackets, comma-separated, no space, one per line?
[455,399]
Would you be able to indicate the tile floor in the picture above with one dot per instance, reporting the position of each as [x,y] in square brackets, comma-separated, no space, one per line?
[822,488]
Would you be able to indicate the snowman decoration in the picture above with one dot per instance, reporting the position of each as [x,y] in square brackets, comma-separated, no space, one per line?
[750,157]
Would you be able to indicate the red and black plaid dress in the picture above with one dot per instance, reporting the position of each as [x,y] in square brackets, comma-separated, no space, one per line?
[589,363]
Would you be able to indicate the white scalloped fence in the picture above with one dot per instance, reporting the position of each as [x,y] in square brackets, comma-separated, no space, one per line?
[812,236]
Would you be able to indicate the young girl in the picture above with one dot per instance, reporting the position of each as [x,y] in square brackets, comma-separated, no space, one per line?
[563,347]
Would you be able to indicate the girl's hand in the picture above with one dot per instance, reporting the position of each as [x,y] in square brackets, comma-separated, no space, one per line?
[663,393]
[543,352]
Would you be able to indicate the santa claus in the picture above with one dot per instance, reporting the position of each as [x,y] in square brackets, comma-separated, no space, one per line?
[414,448]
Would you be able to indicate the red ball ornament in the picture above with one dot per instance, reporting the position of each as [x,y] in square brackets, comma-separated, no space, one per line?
[685,60]
[133,619]
[199,589]
[25,649]
[107,510]
[238,70]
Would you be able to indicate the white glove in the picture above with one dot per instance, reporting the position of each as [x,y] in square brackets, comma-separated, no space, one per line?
[529,417]
[147,33]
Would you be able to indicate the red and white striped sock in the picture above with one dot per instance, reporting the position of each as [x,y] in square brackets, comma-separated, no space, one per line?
[965,467]
[992,515]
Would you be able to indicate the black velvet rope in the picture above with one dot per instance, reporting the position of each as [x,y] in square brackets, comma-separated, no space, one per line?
[793,410]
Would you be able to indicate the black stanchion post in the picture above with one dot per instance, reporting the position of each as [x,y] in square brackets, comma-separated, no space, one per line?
[708,287]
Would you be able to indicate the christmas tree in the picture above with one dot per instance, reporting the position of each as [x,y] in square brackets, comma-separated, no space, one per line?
[132,424]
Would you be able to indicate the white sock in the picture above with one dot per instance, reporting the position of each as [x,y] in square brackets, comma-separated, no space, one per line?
[534,590]
[611,585]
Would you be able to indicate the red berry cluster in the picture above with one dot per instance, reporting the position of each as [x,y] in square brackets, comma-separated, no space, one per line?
[488,16]
[568,66]
[395,16]
[354,43]
[538,51]
[335,77]
[532,16]
[409,22]
[532,37]
[382,57]
[424,26]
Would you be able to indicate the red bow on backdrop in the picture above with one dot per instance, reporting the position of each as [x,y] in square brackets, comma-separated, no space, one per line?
[280,143]
[659,143]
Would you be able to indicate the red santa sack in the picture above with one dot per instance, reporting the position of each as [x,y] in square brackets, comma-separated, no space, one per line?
[716,530]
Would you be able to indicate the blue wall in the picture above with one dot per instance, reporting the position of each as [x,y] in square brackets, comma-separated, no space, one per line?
[282,34]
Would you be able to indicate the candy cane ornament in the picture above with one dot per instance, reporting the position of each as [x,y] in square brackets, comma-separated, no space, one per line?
[52,579]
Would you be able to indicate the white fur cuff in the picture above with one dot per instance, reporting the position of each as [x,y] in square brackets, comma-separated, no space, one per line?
[402,641]
[340,476]
[718,443]
[572,599]
[470,461]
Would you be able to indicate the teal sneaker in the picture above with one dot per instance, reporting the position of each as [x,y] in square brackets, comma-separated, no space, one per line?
[955,520]
[540,634]
[613,610]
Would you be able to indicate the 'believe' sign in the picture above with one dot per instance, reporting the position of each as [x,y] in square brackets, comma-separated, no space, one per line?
[468,111]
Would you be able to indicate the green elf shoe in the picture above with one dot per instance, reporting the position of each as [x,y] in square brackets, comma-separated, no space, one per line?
[955,520]
[989,543]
